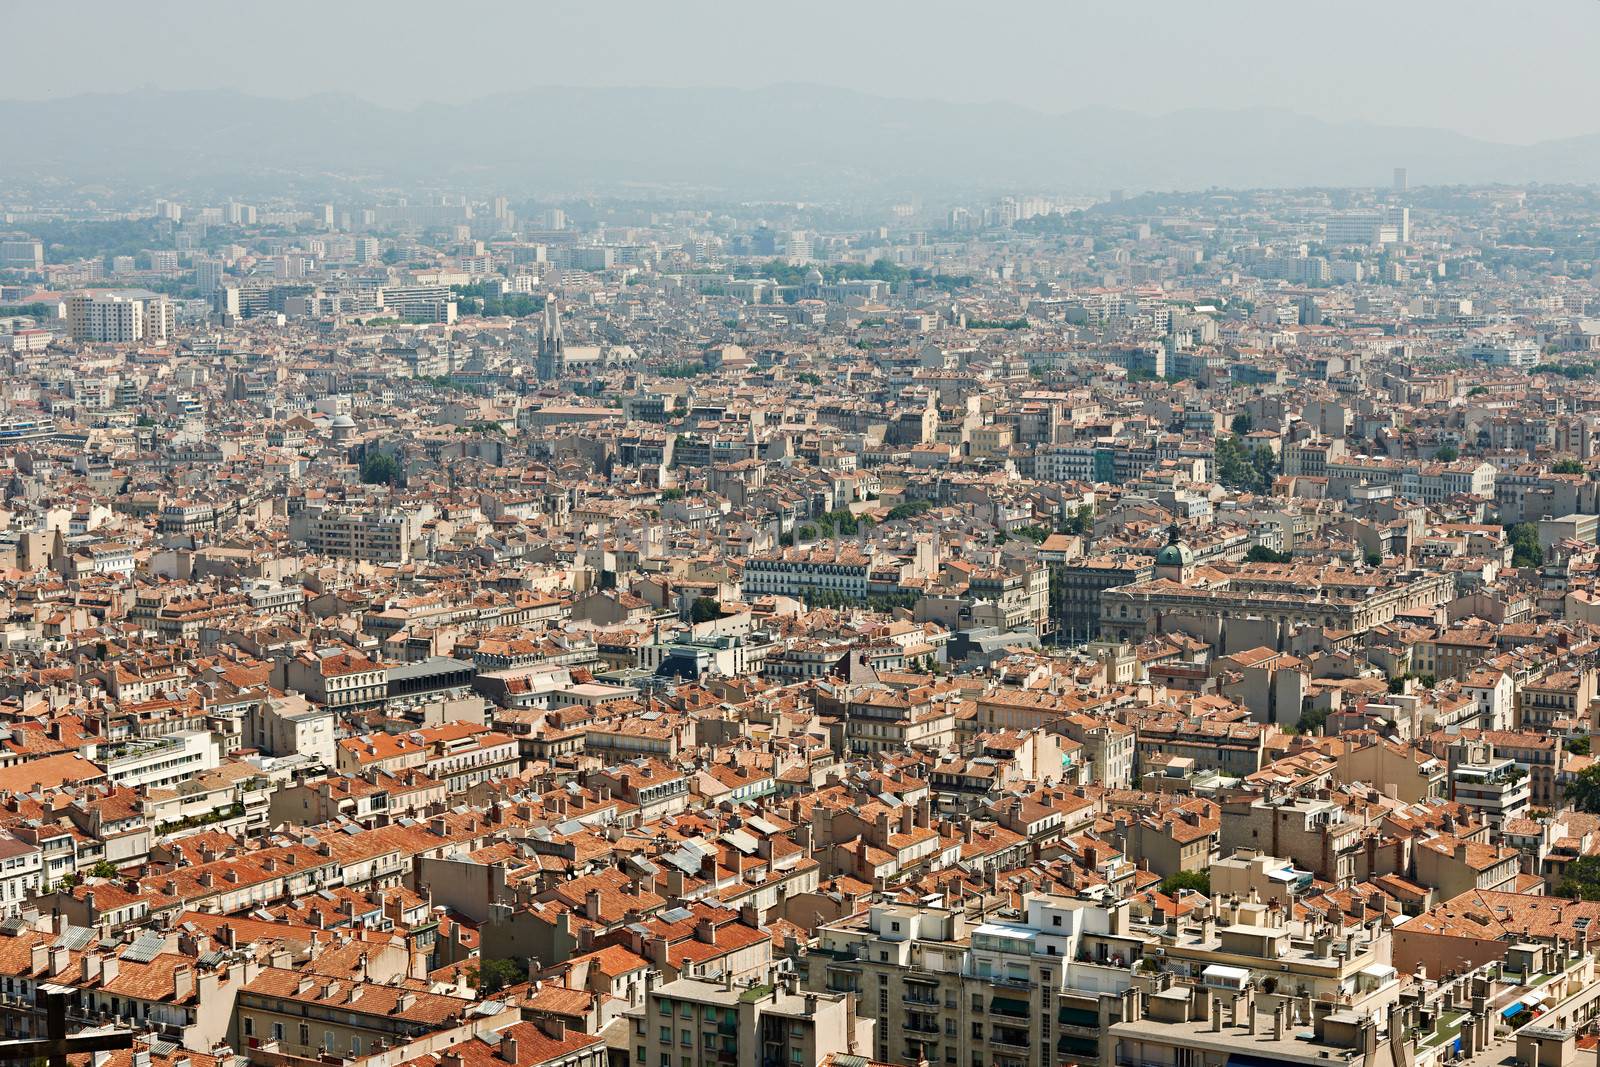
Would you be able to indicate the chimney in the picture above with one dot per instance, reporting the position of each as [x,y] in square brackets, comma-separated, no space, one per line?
[508,1046]
[591,905]
[40,957]
[554,1028]
[60,957]
[182,981]
[109,969]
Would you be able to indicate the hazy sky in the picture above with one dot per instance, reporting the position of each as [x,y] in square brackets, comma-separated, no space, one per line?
[1500,69]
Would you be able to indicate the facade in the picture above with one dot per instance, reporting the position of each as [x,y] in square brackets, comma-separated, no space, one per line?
[705,1022]
[120,318]
[376,537]
[942,988]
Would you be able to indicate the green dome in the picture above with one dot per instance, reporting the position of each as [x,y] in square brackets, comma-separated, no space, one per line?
[1176,554]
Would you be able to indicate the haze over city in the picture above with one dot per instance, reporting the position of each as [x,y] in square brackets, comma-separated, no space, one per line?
[877,535]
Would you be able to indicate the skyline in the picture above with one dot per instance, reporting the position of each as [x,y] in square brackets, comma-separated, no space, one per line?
[1242,55]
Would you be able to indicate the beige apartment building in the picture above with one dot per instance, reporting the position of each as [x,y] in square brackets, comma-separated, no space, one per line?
[689,1023]
[1015,992]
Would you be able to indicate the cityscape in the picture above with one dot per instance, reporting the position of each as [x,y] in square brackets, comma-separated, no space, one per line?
[638,596]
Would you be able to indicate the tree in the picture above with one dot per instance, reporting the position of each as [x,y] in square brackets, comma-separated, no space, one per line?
[494,975]
[704,609]
[1447,454]
[1567,466]
[1584,790]
[1242,423]
[1578,746]
[1525,548]
[1581,880]
[1374,559]
[1312,721]
[806,533]
[1198,881]
[1081,522]
[1263,554]
[909,510]
[104,869]
[379,468]
[1240,467]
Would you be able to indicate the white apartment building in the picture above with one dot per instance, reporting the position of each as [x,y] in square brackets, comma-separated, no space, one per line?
[128,317]
[379,537]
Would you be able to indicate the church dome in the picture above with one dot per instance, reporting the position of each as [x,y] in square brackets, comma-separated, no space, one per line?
[1176,554]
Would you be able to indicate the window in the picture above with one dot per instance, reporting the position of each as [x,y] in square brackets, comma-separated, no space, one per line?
[305,1034]
[355,1046]
[249,1026]
[277,1031]
[327,1040]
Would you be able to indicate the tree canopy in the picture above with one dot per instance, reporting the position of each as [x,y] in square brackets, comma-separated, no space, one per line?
[379,468]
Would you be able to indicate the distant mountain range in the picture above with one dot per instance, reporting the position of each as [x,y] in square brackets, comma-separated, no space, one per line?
[785,140]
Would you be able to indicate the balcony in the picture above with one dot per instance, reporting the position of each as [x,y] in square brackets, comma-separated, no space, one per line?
[918,997]
[918,1024]
[1008,1008]
[1015,1040]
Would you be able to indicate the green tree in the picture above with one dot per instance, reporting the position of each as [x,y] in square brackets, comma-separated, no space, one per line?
[495,975]
[1581,880]
[1312,721]
[379,468]
[806,533]
[103,869]
[1584,790]
[1240,467]
[1525,548]
[909,510]
[704,609]
[1080,522]
[1198,881]
[1447,454]
[1263,554]
[1567,466]
[1242,423]
[1578,746]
